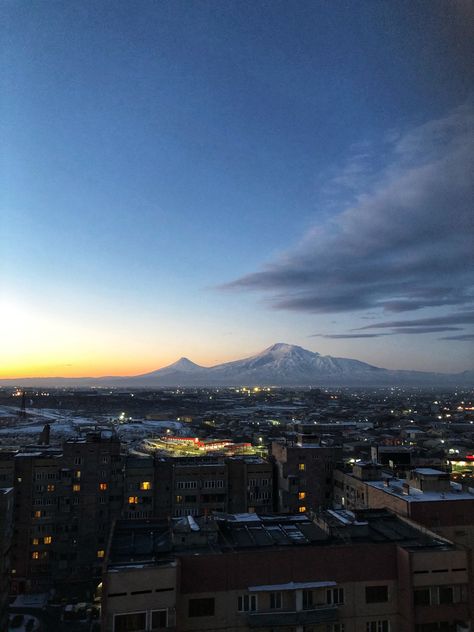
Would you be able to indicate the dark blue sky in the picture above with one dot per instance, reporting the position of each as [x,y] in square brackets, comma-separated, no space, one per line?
[154,152]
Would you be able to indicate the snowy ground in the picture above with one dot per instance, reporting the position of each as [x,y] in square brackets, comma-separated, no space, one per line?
[65,423]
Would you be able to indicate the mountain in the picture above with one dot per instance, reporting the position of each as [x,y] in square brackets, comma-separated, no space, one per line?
[279,365]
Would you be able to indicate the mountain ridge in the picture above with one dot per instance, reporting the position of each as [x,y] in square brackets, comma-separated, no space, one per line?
[281,364]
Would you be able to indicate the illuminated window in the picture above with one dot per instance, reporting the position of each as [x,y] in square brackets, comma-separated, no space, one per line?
[77,474]
[76,488]
[102,487]
[37,514]
[301,509]
[145,485]
[133,500]
[301,495]
[301,467]
[35,541]
[50,488]
[47,539]
[179,499]
[35,555]
[100,553]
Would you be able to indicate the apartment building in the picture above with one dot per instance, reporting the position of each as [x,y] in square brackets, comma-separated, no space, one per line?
[196,486]
[304,470]
[426,496]
[374,572]
[6,533]
[65,502]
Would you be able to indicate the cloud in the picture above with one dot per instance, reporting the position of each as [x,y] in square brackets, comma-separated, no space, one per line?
[461,337]
[459,318]
[347,336]
[403,245]
[397,330]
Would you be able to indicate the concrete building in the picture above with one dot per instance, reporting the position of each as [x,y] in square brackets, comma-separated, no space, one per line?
[6,533]
[65,502]
[374,572]
[304,471]
[427,497]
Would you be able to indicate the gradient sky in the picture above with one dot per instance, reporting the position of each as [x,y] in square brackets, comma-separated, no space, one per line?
[208,178]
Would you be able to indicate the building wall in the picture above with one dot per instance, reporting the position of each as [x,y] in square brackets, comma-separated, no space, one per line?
[305,476]
[356,568]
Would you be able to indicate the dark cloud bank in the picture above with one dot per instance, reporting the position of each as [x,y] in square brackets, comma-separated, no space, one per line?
[407,244]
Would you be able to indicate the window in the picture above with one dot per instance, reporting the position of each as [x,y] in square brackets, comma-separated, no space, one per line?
[203,607]
[421,597]
[378,626]
[47,539]
[445,594]
[335,627]
[335,596]
[100,553]
[77,460]
[179,499]
[307,599]
[35,541]
[186,485]
[77,474]
[301,495]
[159,619]
[301,467]
[376,594]
[133,500]
[50,488]
[132,622]
[102,487]
[37,514]
[302,509]
[247,603]
[105,459]
[76,488]
[145,485]
[275,600]
[35,555]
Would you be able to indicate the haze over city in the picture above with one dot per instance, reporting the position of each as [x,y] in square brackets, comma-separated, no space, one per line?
[206,179]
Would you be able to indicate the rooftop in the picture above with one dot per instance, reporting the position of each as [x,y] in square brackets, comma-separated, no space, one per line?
[138,543]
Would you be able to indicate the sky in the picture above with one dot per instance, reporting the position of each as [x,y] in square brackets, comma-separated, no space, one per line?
[205,179]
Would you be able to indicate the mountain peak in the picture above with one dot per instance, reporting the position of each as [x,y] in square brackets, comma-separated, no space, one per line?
[283,348]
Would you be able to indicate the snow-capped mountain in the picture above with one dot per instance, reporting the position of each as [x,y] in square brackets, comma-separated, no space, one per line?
[279,365]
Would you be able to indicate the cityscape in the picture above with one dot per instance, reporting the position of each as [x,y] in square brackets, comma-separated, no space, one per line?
[236,316]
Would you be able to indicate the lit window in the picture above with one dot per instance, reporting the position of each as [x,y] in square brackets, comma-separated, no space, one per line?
[100,553]
[179,499]
[145,485]
[76,488]
[35,555]
[77,474]
[301,467]
[133,500]
[301,509]
[301,495]
[102,487]
[50,488]
[35,541]
[47,539]
[37,514]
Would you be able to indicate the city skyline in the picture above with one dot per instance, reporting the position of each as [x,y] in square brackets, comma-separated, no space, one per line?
[204,180]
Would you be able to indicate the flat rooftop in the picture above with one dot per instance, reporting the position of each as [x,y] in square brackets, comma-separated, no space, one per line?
[395,488]
[138,543]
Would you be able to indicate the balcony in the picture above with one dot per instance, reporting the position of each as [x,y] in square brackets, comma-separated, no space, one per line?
[270,618]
